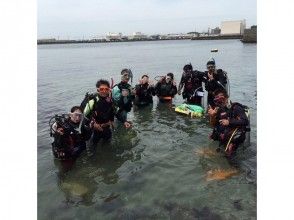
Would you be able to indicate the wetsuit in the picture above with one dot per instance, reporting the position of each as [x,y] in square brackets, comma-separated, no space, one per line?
[193,90]
[71,144]
[219,81]
[102,111]
[165,91]
[237,123]
[124,103]
[144,94]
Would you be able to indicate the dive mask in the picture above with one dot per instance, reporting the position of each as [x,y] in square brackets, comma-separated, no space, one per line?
[219,100]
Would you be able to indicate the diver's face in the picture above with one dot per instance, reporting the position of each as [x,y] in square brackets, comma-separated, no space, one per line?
[125,77]
[124,92]
[168,79]
[220,100]
[211,68]
[76,116]
[103,90]
[188,72]
[145,80]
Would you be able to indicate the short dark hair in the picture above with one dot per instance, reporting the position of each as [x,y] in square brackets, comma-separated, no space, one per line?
[125,71]
[223,91]
[102,82]
[74,108]
[171,75]
[210,62]
[144,76]
[188,67]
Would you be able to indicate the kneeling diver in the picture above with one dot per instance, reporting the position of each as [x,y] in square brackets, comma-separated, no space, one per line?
[229,120]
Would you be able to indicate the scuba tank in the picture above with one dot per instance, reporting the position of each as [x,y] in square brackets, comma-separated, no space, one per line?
[87,98]
[60,121]
[69,144]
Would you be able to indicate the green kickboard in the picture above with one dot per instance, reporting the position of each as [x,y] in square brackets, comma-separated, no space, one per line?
[193,110]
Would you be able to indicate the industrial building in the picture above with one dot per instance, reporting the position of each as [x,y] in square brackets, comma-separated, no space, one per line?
[114,36]
[138,36]
[215,31]
[233,27]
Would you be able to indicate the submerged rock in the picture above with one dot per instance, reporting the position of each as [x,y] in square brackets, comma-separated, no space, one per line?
[205,214]
[184,211]
[237,204]
[220,174]
[111,197]
[110,207]
[139,212]
[206,152]
[75,189]
[169,206]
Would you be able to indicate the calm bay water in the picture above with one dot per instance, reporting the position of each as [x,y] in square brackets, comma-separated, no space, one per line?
[151,170]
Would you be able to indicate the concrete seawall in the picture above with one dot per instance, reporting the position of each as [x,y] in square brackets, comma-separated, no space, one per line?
[39,42]
[250,35]
[218,37]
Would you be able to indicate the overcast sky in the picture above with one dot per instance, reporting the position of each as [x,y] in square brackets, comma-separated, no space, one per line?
[88,18]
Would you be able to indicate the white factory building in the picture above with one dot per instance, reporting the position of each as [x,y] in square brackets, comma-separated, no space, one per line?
[138,36]
[233,27]
[114,36]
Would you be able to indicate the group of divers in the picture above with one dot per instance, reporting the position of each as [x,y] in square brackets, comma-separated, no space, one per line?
[93,119]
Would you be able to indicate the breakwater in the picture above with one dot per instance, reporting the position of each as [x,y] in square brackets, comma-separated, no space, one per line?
[99,41]
[217,37]
[208,37]
[250,35]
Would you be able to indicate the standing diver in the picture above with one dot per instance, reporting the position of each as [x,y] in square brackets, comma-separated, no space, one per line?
[229,120]
[192,83]
[69,136]
[214,79]
[100,112]
[144,92]
[123,95]
[166,88]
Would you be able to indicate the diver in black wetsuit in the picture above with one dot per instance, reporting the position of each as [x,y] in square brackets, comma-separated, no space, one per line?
[230,122]
[69,141]
[144,92]
[123,94]
[214,79]
[192,83]
[166,88]
[100,113]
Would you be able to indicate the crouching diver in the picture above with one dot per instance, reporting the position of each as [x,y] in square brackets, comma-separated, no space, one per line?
[230,122]
[100,111]
[166,88]
[144,92]
[69,135]
[123,95]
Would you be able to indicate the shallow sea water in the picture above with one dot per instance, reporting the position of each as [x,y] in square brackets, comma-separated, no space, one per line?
[157,169]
